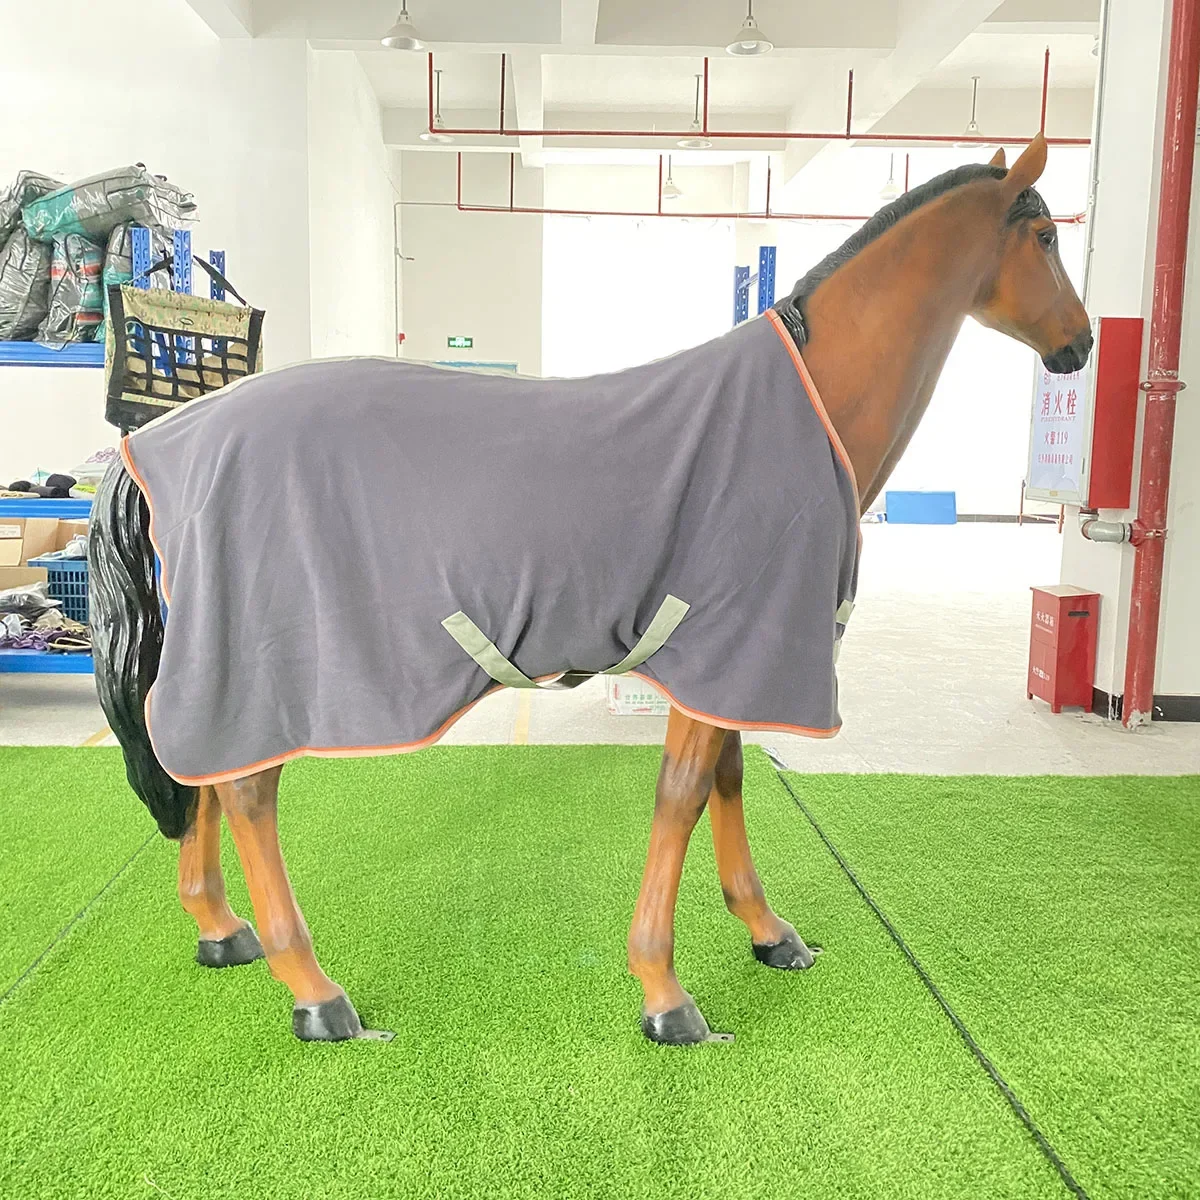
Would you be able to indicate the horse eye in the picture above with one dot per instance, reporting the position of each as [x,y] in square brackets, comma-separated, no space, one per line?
[1048,237]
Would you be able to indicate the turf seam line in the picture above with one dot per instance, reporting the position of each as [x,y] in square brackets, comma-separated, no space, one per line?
[1043,1143]
[62,933]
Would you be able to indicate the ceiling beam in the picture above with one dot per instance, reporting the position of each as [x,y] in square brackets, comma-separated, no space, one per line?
[525,70]
[226,18]
[927,31]
[579,19]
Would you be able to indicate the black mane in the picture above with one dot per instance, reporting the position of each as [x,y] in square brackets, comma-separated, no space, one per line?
[1028,205]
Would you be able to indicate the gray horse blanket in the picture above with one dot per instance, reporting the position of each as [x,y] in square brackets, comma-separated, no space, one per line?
[354,552]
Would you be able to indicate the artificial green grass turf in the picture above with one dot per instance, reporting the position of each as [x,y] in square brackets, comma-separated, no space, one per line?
[1061,918]
[477,901]
[66,828]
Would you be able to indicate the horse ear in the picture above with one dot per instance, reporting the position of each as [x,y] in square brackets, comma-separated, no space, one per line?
[1027,170]
[998,159]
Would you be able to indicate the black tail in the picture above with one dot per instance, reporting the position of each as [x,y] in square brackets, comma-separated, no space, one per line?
[127,636]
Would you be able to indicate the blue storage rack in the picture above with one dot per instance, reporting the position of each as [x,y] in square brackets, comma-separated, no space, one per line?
[33,662]
[91,354]
[743,281]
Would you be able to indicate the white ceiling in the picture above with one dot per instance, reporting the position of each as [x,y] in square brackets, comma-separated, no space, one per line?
[1014,60]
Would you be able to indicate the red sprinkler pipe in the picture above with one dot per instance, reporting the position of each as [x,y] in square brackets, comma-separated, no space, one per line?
[1045,90]
[532,210]
[504,61]
[1162,367]
[786,135]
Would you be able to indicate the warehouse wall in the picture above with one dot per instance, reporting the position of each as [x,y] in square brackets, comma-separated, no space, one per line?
[472,274]
[107,96]
[352,188]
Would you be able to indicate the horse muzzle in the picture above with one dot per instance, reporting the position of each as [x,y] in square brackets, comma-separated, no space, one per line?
[1072,356]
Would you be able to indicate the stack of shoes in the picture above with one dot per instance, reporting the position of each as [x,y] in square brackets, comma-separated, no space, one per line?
[56,487]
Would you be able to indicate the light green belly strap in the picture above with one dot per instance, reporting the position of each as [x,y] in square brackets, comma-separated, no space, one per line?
[477,644]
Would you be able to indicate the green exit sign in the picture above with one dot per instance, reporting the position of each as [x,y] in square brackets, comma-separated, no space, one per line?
[460,343]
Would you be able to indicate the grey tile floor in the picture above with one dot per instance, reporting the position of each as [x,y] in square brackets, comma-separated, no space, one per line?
[932,679]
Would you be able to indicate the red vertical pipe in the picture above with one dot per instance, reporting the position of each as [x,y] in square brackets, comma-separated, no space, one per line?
[1045,89]
[503,64]
[430,125]
[1162,367]
[704,122]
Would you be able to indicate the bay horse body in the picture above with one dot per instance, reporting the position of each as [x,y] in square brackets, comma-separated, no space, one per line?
[874,323]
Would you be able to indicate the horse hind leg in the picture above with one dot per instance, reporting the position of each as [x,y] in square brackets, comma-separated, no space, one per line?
[322,1010]
[774,942]
[225,939]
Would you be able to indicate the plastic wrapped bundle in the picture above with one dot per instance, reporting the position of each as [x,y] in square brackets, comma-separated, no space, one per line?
[27,187]
[94,207]
[24,287]
[76,298]
[118,263]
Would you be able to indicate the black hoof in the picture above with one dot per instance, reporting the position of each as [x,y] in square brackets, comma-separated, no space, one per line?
[234,951]
[791,954]
[330,1021]
[682,1026]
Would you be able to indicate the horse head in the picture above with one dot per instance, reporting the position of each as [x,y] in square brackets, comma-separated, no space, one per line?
[1028,295]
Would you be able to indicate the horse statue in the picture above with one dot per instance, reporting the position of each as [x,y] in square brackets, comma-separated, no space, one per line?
[355,552]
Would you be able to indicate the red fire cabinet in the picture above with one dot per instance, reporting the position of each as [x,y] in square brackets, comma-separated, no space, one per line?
[1062,646]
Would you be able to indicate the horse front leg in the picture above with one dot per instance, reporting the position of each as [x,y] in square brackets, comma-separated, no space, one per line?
[322,1010]
[685,779]
[225,939]
[773,940]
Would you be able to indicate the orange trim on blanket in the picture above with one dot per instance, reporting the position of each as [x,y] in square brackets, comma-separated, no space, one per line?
[410,747]
[815,398]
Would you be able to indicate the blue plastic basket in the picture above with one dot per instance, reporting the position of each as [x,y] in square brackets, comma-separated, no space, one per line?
[68,582]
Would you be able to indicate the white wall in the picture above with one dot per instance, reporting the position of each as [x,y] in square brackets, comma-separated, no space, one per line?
[352,188]
[473,274]
[247,126]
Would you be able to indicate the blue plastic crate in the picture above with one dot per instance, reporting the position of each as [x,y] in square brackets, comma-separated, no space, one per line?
[68,582]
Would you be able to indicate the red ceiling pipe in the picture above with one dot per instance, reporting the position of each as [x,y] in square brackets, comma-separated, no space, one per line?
[504,63]
[1162,366]
[1077,219]
[750,134]
[429,127]
[1045,89]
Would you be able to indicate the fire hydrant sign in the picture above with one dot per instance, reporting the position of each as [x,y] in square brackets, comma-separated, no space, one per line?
[1060,436]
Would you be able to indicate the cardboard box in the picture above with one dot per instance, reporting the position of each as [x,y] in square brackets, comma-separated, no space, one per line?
[23,538]
[11,577]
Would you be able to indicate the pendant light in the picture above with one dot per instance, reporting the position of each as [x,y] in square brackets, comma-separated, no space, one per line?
[972,129]
[435,135]
[671,190]
[749,40]
[402,35]
[696,139]
[891,189]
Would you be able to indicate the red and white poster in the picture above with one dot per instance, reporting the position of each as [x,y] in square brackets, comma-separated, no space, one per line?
[1060,436]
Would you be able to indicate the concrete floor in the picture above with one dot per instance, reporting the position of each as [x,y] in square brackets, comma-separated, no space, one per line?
[932,679]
